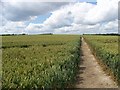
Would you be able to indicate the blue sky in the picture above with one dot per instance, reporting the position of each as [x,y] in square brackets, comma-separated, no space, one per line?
[40,19]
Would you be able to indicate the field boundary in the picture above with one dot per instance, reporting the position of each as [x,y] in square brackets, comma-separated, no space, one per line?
[104,67]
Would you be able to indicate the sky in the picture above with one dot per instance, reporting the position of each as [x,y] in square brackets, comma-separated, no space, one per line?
[58,16]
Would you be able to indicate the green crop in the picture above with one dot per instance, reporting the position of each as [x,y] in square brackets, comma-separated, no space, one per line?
[39,61]
[106,48]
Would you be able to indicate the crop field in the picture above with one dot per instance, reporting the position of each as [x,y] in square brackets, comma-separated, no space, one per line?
[39,61]
[106,49]
[52,61]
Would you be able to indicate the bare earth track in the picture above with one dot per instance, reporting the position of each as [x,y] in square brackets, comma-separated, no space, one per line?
[91,74]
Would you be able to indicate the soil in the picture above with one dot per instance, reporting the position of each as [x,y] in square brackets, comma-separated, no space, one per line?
[90,73]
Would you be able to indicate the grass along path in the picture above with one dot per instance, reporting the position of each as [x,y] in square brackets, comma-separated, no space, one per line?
[91,74]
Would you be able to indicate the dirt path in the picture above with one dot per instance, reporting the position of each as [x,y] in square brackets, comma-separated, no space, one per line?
[91,74]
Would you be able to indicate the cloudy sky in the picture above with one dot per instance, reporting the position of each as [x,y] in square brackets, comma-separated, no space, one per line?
[58,16]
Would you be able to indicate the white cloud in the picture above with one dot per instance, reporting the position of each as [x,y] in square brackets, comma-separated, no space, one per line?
[78,29]
[38,0]
[38,28]
[21,11]
[72,13]
[70,18]
[109,27]
[12,27]
[34,28]
[84,18]
[104,11]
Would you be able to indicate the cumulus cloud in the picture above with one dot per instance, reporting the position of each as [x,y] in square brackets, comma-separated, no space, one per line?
[79,29]
[34,28]
[64,19]
[83,18]
[59,18]
[12,27]
[38,0]
[38,28]
[105,10]
[72,13]
[84,13]
[79,17]
[20,11]
[109,27]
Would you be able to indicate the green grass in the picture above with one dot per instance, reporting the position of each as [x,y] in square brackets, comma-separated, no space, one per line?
[106,48]
[40,61]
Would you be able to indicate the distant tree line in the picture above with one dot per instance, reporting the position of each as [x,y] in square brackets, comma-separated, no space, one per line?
[24,34]
[110,34]
[12,34]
